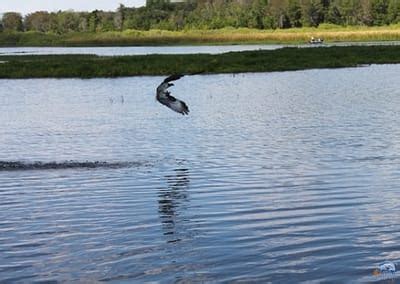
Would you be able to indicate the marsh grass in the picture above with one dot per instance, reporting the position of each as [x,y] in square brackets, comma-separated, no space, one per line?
[89,66]
[330,33]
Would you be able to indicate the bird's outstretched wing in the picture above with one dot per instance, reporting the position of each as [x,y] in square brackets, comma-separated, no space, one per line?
[165,98]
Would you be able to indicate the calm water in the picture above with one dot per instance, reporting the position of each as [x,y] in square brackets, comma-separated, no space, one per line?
[135,50]
[282,177]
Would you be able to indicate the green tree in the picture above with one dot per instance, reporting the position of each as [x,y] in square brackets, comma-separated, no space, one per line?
[333,15]
[83,25]
[365,15]
[312,13]
[12,22]
[138,18]
[394,11]
[67,21]
[119,17]
[39,21]
[294,13]
[93,21]
[349,10]
[278,10]
[256,15]
[380,12]
[106,21]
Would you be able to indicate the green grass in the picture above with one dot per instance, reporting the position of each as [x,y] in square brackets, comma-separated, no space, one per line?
[90,66]
[330,33]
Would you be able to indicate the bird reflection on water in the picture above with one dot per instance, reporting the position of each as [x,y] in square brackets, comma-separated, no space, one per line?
[172,202]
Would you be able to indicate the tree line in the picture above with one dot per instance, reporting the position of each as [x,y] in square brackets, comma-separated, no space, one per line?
[211,14]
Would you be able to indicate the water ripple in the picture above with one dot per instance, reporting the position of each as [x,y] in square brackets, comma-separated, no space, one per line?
[283,178]
[37,165]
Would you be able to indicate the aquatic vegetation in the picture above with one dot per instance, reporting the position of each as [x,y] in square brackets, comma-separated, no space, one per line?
[285,59]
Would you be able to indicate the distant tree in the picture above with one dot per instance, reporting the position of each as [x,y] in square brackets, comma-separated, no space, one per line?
[67,21]
[269,22]
[40,21]
[119,17]
[394,11]
[349,9]
[12,22]
[278,10]
[93,21]
[211,14]
[136,18]
[158,4]
[312,13]
[83,22]
[256,14]
[294,13]
[326,3]
[380,12]
[365,15]
[106,21]
[333,15]
[177,21]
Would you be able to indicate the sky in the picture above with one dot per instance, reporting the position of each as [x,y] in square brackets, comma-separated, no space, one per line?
[28,6]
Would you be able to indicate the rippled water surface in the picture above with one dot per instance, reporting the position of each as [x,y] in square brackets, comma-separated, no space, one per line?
[282,177]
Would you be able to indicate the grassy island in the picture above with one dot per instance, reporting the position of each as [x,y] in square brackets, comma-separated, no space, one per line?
[285,59]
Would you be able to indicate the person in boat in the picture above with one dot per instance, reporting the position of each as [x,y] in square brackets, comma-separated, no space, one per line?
[316,40]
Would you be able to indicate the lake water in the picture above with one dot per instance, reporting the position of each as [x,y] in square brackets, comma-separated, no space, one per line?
[285,177]
[135,50]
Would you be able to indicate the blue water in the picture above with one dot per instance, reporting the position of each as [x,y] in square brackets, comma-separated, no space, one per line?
[273,177]
[135,50]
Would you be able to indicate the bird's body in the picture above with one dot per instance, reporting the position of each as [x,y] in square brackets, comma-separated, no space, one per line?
[165,98]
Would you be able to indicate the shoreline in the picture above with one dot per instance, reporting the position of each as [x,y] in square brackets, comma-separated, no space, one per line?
[222,36]
[284,59]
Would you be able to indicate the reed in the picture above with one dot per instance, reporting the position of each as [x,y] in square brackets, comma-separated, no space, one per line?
[330,33]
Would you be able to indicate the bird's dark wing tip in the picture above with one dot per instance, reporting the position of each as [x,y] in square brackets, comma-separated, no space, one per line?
[185,109]
[173,77]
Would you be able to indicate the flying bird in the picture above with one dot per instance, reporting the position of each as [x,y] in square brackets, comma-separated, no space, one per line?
[165,98]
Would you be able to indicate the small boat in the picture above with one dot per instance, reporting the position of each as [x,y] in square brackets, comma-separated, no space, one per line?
[316,40]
